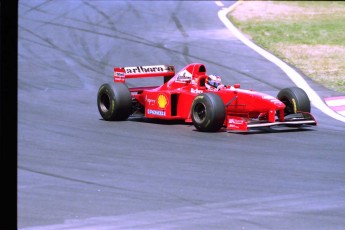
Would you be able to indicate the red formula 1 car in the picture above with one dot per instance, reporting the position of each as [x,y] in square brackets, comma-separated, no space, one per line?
[193,96]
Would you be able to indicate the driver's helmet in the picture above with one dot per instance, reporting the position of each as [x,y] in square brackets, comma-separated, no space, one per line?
[213,81]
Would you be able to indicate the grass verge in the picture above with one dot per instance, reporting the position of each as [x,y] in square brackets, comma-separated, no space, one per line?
[307,34]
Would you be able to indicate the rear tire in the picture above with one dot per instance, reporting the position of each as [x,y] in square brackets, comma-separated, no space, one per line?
[208,112]
[114,102]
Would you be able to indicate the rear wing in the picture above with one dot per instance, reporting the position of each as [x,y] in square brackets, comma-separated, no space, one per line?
[121,73]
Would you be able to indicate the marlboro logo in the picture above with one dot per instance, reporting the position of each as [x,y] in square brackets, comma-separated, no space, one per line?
[149,69]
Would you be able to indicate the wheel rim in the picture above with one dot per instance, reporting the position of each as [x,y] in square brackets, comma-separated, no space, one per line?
[199,112]
[289,106]
[105,103]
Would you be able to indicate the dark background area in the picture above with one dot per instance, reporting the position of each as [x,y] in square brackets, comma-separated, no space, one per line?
[8,111]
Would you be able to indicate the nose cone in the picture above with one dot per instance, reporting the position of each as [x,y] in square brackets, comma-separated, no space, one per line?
[270,102]
[277,103]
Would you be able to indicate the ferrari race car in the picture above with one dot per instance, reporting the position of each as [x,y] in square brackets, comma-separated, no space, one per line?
[185,95]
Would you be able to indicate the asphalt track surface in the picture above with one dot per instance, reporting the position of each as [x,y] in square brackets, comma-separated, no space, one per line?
[76,171]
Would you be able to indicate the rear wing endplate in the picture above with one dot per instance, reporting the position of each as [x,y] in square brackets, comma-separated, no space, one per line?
[121,73]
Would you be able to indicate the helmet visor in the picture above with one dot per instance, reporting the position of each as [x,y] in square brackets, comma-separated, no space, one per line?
[214,83]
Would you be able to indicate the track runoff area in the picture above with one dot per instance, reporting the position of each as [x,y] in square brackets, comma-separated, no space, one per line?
[333,106]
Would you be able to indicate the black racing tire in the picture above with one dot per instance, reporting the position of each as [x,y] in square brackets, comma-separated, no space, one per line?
[114,102]
[295,100]
[208,112]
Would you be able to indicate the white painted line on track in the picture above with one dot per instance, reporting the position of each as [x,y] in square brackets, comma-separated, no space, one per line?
[290,72]
[219,3]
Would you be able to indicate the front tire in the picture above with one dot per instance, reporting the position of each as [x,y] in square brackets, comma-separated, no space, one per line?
[295,100]
[114,102]
[208,112]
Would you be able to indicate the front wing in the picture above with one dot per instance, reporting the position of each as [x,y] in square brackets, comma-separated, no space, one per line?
[293,120]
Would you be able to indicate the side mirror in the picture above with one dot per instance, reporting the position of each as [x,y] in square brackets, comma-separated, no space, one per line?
[236,86]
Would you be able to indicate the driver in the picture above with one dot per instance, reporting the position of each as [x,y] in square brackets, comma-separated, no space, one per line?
[213,82]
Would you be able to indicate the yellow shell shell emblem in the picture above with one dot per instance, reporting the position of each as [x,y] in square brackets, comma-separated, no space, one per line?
[162,101]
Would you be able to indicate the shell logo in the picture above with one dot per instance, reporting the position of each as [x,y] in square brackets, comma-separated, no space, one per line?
[162,101]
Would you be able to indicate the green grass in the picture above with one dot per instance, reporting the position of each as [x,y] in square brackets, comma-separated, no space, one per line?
[302,32]
[311,36]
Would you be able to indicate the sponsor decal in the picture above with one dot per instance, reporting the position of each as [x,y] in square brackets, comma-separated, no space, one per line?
[184,76]
[119,74]
[156,112]
[150,101]
[119,79]
[162,101]
[235,121]
[149,69]
[196,90]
